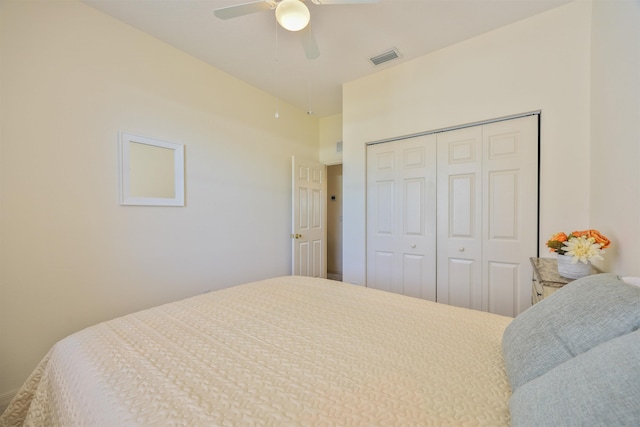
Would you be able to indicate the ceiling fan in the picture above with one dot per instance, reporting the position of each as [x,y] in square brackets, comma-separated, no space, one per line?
[292,15]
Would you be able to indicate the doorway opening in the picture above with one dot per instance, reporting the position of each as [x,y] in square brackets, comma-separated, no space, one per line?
[334,222]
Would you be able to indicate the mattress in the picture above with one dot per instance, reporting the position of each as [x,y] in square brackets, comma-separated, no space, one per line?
[284,351]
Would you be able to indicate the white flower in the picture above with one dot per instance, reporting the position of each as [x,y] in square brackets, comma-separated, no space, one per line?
[582,249]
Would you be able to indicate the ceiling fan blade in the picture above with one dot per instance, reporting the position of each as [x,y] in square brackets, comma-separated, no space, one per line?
[309,44]
[343,1]
[244,9]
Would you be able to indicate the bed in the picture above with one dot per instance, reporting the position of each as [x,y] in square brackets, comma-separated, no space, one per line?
[292,351]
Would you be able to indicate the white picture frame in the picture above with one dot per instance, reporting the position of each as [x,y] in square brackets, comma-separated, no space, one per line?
[151,171]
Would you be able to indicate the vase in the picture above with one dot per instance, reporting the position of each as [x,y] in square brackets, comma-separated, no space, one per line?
[572,271]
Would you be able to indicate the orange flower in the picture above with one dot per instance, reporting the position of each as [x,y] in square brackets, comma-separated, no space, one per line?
[595,235]
[555,243]
[560,237]
[600,238]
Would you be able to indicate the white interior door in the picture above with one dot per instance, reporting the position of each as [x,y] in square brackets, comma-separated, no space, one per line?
[401,224]
[308,235]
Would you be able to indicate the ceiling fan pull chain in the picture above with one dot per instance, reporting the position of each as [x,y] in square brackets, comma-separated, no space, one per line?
[277,74]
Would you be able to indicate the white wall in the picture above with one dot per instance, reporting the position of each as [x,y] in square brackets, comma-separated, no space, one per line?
[541,63]
[615,132]
[71,256]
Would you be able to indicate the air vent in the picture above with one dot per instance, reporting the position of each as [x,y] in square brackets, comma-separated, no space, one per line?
[387,56]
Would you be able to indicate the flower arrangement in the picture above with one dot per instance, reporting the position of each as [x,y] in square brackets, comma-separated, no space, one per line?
[582,246]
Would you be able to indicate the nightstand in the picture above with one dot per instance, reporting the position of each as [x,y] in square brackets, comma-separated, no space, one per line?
[546,279]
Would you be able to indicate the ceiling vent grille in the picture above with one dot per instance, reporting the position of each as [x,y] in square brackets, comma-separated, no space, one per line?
[387,56]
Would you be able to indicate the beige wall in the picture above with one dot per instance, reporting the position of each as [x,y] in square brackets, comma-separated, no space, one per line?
[71,256]
[615,131]
[541,63]
[330,128]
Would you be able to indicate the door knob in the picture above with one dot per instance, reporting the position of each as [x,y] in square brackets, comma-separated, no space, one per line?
[296,236]
[461,249]
[413,246]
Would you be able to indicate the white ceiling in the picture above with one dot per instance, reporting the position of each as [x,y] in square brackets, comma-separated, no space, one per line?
[347,36]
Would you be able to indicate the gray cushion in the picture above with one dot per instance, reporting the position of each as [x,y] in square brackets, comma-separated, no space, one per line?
[598,388]
[576,318]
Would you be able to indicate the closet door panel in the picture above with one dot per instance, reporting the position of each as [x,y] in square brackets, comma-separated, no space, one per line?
[385,205]
[503,291]
[459,217]
[413,209]
[401,212]
[510,219]
[462,205]
[413,271]
[381,217]
[503,205]
[462,286]
[384,271]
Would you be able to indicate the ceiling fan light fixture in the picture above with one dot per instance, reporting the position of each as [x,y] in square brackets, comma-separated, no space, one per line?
[292,15]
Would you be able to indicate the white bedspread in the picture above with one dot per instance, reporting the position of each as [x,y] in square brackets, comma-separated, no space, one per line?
[285,351]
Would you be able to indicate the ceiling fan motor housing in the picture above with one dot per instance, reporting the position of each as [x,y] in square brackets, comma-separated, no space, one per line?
[292,15]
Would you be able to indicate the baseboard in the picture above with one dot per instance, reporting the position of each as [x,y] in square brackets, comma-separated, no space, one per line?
[5,398]
[334,276]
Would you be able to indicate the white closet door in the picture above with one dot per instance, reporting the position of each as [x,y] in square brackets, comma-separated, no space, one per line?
[510,217]
[401,212]
[487,220]
[487,215]
[460,217]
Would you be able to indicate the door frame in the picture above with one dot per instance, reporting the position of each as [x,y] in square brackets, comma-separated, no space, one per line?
[327,202]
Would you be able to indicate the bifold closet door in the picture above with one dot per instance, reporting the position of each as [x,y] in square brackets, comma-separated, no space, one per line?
[460,217]
[401,221]
[510,213]
[487,215]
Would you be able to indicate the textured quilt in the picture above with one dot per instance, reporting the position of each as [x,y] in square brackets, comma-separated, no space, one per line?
[285,351]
